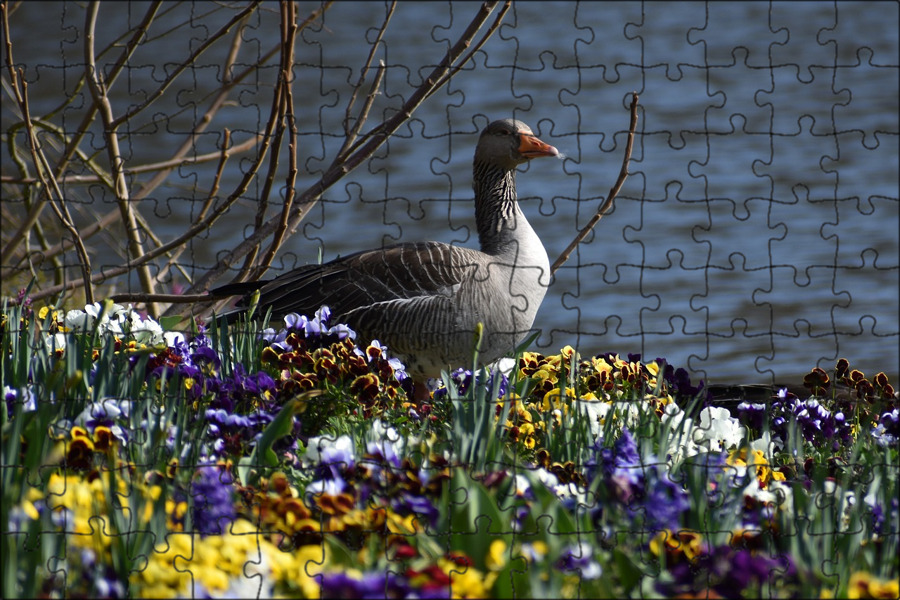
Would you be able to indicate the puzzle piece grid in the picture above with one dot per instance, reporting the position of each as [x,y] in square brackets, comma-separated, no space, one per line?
[706,257]
[794,102]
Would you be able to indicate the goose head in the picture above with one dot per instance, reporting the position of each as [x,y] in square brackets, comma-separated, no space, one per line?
[508,143]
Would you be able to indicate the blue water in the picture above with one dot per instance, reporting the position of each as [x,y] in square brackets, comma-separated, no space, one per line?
[755,238]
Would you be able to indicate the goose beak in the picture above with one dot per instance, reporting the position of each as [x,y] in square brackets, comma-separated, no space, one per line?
[531,147]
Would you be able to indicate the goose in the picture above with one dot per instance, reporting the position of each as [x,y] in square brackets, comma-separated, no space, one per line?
[424,300]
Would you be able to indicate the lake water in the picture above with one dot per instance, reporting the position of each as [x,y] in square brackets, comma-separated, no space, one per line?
[756,237]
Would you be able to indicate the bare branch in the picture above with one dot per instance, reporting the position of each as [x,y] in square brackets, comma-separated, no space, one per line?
[613,192]
[273,140]
[225,154]
[168,164]
[484,39]
[352,132]
[111,217]
[73,143]
[42,166]
[59,206]
[186,63]
[435,80]
[35,212]
[137,37]
[204,221]
[368,146]
[289,31]
[169,298]
[111,272]
[116,162]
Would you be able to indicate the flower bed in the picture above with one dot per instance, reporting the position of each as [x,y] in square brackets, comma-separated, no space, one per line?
[293,462]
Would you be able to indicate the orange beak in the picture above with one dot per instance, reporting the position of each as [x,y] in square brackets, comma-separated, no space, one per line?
[531,147]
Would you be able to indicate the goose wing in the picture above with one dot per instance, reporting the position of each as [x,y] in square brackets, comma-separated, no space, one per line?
[391,277]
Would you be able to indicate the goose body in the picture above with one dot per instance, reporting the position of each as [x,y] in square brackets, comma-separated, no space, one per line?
[424,300]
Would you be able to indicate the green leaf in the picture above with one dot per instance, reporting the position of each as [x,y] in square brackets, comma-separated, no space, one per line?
[629,574]
[477,521]
[281,425]
[171,322]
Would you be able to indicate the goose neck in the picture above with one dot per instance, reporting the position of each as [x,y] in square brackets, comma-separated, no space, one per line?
[497,215]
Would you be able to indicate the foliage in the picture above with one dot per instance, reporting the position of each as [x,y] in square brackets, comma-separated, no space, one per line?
[84,169]
[241,460]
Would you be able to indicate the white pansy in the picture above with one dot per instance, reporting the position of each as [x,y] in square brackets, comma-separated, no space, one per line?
[718,430]
[386,440]
[55,341]
[116,320]
[595,411]
[521,486]
[504,365]
[680,443]
[764,444]
[547,478]
[321,449]
[78,321]
[173,338]
[328,487]
[146,331]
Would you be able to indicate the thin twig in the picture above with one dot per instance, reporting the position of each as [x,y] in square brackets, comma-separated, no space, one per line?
[352,132]
[111,272]
[32,217]
[204,121]
[225,154]
[99,92]
[289,31]
[432,83]
[80,131]
[487,34]
[167,298]
[137,37]
[363,113]
[204,220]
[280,108]
[167,164]
[601,212]
[43,166]
[278,235]
[188,62]
[112,216]
[273,142]
[72,148]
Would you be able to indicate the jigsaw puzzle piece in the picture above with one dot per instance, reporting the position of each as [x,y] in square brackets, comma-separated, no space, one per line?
[865,319]
[729,171]
[757,36]
[808,46]
[738,315]
[873,90]
[655,51]
[792,289]
[595,289]
[674,313]
[854,253]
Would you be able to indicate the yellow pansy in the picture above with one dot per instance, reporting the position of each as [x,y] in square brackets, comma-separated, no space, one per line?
[470,583]
[496,556]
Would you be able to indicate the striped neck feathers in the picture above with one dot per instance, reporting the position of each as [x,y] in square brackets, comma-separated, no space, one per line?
[497,213]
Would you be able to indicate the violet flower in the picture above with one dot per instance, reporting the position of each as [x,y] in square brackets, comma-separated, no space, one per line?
[213,510]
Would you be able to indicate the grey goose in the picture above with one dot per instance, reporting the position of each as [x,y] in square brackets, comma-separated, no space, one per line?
[424,300]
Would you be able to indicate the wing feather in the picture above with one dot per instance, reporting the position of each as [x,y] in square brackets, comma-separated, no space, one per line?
[363,280]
